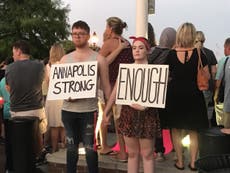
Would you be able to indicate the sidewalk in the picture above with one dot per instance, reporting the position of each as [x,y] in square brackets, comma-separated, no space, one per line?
[58,160]
[40,169]
[107,163]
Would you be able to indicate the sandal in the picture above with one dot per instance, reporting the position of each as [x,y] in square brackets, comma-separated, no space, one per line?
[179,168]
[191,168]
[109,153]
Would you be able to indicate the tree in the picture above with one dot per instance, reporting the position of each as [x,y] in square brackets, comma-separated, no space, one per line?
[40,22]
[68,46]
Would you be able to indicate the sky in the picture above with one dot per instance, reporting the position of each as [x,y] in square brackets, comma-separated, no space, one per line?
[210,16]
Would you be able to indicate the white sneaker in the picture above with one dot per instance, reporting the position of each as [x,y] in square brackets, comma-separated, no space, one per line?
[160,157]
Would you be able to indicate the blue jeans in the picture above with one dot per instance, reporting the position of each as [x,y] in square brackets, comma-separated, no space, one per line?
[80,127]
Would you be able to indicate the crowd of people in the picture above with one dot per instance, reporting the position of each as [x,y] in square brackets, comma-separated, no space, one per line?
[66,123]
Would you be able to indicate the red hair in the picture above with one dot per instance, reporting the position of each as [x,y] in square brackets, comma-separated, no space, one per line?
[143,40]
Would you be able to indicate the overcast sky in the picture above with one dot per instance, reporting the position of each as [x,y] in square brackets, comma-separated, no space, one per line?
[210,16]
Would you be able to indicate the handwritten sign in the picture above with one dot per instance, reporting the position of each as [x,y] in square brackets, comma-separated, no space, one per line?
[75,80]
[142,84]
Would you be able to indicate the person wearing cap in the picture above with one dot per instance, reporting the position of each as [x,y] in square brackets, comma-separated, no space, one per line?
[139,143]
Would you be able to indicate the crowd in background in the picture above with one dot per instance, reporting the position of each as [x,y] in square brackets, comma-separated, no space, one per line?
[66,123]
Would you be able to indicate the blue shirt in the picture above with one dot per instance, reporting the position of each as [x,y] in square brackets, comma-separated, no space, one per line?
[6,96]
[220,68]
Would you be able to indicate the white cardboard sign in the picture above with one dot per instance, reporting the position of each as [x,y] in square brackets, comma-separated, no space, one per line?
[73,80]
[142,84]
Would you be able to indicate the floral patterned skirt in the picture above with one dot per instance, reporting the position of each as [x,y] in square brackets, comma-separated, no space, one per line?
[138,124]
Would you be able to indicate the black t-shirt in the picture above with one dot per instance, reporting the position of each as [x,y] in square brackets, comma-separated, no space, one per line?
[158,55]
[211,61]
[25,80]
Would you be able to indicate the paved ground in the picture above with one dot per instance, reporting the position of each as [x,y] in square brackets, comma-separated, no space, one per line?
[161,167]
[40,169]
[107,162]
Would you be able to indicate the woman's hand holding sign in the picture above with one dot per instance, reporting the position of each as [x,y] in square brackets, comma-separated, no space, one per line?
[138,107]
[71,100]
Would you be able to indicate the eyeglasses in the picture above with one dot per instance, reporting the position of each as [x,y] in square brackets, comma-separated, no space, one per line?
[79,34]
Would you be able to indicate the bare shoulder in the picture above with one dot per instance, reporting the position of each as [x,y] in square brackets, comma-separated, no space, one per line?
[64,58]
[108,46]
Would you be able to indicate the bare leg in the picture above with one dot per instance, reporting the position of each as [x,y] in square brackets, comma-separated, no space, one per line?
[133,154]
[47,141]
[193,147]
[62,136]
[3,130]
[147,155]
[103,131]
[39,144]
[122,155]
[103,139]
[225,130]
[54,138]
[176,136]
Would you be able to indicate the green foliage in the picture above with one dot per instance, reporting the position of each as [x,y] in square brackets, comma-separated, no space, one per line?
[41,22]
[68,46]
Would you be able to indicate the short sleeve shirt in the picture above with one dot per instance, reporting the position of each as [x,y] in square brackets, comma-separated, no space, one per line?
[25,80]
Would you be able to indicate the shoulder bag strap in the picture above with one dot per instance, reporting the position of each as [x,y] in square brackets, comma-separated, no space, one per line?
[224,69]
[199,59]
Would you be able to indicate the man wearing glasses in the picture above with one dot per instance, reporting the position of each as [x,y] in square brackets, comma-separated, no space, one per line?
[78,115]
